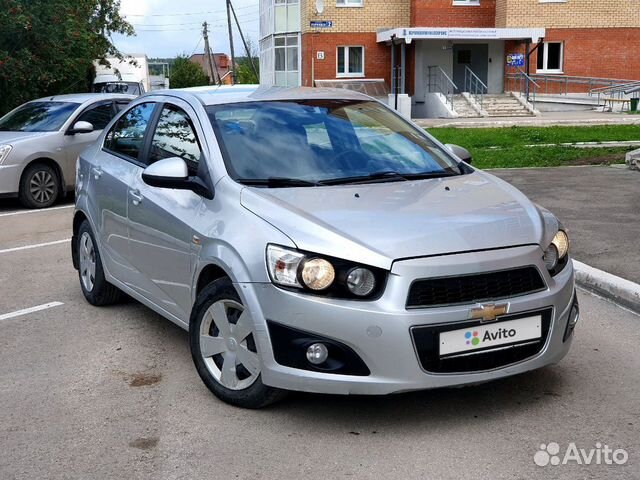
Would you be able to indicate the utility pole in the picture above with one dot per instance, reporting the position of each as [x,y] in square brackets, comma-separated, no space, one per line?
[207,51]
[246,47]
[233,56]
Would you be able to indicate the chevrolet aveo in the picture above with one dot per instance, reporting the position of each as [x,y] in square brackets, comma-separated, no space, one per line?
[314,240]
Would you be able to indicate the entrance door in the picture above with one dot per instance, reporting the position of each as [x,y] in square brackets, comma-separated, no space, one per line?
[472,55]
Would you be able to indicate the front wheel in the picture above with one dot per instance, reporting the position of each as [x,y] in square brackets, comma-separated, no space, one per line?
[39,186]
[224,349]
[94,285]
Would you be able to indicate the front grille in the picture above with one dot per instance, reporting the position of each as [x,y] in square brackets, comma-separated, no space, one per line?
[426,340]
[432,292]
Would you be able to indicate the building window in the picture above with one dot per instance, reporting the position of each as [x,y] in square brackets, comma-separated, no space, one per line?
[466,3]
[286,60]
[287,15]
[350,62]
[349,3]
[550,57]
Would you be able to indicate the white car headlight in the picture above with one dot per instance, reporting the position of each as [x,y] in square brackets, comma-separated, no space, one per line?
[4,152]
[557,251]
[284,265]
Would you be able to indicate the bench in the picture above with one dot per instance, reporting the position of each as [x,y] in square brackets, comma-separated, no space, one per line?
[620,101]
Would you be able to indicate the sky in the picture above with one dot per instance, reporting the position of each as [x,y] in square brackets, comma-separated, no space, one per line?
[166,28]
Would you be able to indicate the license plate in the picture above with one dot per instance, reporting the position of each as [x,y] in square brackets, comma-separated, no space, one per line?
[482,337]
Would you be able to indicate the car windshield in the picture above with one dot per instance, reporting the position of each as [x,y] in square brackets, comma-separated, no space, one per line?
[130,88]
[320,142]
[38,117]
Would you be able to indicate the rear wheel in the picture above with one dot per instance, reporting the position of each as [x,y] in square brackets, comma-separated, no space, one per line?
[224,349]
[39,186]
[94,286]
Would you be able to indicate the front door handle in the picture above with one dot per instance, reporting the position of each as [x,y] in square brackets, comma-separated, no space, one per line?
[96,172]
[136,198]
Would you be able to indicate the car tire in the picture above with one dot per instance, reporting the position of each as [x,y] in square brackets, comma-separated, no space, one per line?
[224,349]
[39,186]
[95,287]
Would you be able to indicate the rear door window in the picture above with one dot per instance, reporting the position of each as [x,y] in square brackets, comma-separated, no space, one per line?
[99,116]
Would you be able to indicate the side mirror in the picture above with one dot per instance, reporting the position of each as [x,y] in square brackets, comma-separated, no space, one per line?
[81,127]
[460,152]
[173,173]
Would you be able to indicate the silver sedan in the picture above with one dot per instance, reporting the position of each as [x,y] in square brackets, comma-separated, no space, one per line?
[40,142]
[315,240]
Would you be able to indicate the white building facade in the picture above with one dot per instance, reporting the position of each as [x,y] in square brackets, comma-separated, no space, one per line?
[280,42]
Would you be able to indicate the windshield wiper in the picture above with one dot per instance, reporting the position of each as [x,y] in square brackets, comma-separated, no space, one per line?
[275,182]
[386,176]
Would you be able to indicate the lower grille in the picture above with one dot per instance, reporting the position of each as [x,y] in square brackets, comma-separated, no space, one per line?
[427,341]
[432,292]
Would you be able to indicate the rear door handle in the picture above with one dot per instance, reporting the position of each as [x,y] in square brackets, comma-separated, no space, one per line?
[136,198]
[96,172]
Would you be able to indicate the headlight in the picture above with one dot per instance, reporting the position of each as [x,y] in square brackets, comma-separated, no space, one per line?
[4,152]
[361,281]
[323,275]
[317,274]
[555,256]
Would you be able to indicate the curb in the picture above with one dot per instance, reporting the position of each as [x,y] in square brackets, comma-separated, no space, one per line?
[620,291]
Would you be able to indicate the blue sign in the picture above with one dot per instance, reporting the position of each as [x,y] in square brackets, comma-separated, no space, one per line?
[321,24]
[515,59]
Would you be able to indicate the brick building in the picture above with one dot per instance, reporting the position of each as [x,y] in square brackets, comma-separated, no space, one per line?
[318,42]
[221,63]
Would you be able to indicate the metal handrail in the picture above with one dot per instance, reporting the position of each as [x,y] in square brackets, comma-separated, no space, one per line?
[525,83]
[474,86]
[440,82]
[564,84]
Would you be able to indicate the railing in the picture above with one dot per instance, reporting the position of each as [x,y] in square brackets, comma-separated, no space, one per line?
[439,82]
[565,84]
[524,84]
[476,87]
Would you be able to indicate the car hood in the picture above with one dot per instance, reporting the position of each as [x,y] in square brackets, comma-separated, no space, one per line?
[14,137]
[383,222]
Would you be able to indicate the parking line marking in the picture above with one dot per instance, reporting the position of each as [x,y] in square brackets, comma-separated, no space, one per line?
[37,245]
[26,311]
[23,212]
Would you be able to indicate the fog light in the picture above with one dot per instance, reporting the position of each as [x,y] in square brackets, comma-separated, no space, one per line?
[574,316]
[317,353]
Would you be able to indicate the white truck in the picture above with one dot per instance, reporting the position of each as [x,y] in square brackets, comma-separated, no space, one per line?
[129,75]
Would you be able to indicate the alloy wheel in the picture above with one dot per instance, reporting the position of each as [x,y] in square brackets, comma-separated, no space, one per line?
[227,345]
[42,186]
[87,262]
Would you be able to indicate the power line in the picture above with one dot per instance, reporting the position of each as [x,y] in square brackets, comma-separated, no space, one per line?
[184,13]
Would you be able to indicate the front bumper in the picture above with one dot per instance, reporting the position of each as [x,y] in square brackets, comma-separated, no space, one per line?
[379,332]
[9,180]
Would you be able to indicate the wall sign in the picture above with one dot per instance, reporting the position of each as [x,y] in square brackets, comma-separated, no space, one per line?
[320,55]
[515,59]
[321,23]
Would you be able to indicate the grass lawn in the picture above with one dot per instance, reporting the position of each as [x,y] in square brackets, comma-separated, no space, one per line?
[512,140]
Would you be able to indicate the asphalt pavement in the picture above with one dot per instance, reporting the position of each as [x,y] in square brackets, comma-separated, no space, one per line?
[94,393]
[599,205]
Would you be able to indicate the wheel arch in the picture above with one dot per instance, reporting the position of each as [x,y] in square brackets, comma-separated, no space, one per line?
[51,163]
[78,218]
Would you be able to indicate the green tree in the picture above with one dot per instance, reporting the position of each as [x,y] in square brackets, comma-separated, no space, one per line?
[186,73]
[48,46]
[244,72]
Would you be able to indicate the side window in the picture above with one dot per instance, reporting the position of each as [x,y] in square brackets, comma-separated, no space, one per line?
[127,135]
[98,116]
[175,137]
[120,106]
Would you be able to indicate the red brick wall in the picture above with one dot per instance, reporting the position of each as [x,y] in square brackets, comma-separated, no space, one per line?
[377,57]
[601,52]
[442,13]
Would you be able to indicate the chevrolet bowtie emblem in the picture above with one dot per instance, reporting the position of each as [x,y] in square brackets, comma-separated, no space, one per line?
[488,312]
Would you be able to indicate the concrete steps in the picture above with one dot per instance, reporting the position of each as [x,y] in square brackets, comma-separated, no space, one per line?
[505,105]
[463,108]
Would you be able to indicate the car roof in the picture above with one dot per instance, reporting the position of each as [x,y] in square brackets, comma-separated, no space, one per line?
[216,95]
[85,97]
